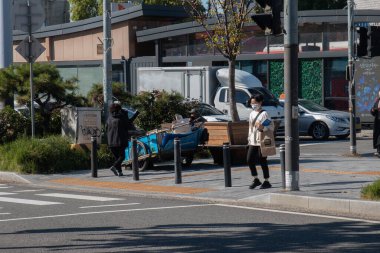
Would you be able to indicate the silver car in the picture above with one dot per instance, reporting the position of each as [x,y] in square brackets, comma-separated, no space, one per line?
[320,122]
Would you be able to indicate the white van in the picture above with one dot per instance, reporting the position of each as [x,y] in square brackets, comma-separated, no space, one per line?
[246,85]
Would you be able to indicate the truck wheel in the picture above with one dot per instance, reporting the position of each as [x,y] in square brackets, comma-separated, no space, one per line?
[319,131]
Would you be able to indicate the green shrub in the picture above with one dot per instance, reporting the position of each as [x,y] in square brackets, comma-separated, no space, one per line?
[158,107]
[42,156]
[12,125]
[371,191]
[105,157]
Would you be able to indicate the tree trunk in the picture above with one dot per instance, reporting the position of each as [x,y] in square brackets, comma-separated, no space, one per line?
[233,110]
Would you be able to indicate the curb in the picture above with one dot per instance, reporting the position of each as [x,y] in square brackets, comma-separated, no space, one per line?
[348,206]
[12,177]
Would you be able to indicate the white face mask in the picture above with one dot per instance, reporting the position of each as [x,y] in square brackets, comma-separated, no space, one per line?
[255,106]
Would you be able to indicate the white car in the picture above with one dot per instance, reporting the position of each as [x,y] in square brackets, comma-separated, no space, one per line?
[320,122]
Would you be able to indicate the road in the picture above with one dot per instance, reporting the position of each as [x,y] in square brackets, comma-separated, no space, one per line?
[51,220]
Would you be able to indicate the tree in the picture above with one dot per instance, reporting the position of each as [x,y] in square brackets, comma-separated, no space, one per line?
[95,95]
[83,9]
[51,92]
[224,32]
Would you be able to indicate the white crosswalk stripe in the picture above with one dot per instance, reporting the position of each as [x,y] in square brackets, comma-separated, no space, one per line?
[28,201]
[28,191]
[76,196]
[6,193]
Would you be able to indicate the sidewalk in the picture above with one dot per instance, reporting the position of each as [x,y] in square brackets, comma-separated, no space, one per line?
[329,183]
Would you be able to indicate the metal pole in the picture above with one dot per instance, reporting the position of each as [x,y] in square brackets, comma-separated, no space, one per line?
[6,56]
[291,94]
[31,68]
[124,73]
[94,159]
[351,89]
[107,57]
[135,161]
[282,160]
[227,164]
[177,161]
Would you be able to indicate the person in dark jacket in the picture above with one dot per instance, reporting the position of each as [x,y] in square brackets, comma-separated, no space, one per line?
[376,125]
[117,136]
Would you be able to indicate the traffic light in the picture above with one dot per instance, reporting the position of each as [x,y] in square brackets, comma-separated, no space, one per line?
[368,41]
[362,41]
[373,45]
[270,20]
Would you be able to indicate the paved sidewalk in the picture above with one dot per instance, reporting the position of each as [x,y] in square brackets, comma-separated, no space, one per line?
[328,183]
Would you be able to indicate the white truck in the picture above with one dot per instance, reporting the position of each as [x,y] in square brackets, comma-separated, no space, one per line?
[210,85]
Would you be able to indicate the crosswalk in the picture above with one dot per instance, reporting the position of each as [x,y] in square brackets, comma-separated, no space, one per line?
[44,197]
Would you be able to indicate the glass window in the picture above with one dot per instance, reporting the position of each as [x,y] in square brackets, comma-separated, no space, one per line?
[310,37]
[174,46]
[336,37]
[252,42]
[336,85]
[222,96]
[197,45]
[241,97]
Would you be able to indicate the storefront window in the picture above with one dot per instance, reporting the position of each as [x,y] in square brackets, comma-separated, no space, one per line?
[336,37]
[174,46]
[336,85]
[197,45]
[252,42]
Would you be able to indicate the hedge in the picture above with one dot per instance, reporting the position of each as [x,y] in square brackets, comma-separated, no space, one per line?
[42,156]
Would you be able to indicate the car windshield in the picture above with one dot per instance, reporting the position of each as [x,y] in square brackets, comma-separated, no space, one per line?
[207,110]
[269,98]
[311,106]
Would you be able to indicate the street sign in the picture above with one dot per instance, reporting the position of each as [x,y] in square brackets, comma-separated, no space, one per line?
[23,48]
[21,18]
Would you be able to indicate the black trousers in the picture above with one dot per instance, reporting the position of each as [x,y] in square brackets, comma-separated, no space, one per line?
[119,154]
[254,157]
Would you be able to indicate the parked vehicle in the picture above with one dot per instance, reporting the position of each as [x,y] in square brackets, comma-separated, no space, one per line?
[209,85]
[320,123]
[158,145]
[210,113]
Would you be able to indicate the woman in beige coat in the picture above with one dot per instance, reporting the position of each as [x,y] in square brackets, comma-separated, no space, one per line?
[259,121]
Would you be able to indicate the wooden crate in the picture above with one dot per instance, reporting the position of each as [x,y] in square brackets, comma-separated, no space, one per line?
[235,133]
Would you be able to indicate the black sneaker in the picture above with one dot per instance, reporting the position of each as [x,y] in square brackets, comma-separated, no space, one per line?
[266,185]
[114,170]
[256,182]
[121,174]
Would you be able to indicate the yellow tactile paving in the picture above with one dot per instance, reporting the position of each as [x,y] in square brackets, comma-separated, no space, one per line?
[131,186]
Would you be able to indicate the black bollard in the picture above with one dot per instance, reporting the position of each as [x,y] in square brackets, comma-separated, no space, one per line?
[282,160]
[135,161]
[177,161]
[227,164]
[94,159]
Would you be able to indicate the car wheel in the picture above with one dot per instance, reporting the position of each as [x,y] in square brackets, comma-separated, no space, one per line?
[319,131]
[342,137]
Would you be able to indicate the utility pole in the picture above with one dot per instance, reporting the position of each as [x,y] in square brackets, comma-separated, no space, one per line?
[107,57]
[351,87]
[6,57]
[32,117]
[291,94]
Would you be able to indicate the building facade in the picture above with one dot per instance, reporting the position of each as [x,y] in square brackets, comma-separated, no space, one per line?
[157,36]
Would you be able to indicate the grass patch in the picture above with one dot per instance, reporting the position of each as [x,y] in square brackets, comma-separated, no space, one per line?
[371,191]
[42,156]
